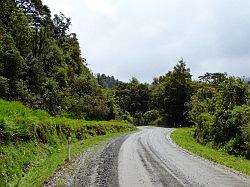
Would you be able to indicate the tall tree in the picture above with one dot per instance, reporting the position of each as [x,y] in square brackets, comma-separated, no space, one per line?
[12,63]
[172,95]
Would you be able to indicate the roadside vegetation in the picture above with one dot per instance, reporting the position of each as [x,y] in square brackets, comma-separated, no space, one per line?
[221,115]
[34,144]
[184,137]
[41,66]
[50,159]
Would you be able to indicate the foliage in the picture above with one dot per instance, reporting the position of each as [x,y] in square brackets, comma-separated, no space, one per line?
[171,96]
[213,78]
[248,90]
[28,136]
[127,117]
[165,103]
[151,117]
[106,81]
[25,125]
[132,97]
[221,115]
[41,63]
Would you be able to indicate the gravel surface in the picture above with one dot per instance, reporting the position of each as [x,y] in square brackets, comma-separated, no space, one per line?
[98,167]
[150,158]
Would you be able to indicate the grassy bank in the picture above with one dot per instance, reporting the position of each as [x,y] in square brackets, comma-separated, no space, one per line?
[33,144]
[46,167]
[183,137]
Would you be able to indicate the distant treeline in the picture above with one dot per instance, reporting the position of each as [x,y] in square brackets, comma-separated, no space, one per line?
[42,66]
[106,81]
[216,105]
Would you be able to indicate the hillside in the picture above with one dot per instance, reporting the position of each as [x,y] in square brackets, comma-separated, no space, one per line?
[43,66]
[30,137]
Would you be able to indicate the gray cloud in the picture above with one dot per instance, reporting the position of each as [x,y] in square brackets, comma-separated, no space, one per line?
[145,38]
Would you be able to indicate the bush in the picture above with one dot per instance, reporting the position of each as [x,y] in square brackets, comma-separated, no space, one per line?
[18,124]
[204,129]
[127,117]
[222,118]
[138,119]
[238,123]
[4,86]
[151,117]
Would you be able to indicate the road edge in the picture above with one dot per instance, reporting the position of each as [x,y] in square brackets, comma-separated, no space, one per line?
[240,174]
[61,176]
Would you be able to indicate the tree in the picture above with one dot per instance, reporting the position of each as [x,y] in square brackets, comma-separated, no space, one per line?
[106,81]
[4,87]
[150,117]
[61,26]
[35,74]
[72,53]
[213,78]
[132,97]
[12,63]
[21,32]
[171,96]
[41,63]
[6,9]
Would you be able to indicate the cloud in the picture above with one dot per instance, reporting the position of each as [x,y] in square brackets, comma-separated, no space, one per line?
[145,38]
[101,6]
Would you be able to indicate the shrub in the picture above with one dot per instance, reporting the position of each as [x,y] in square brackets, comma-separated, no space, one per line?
[204,128]
[222,118]
[151,117]
[238,123]
[127,117]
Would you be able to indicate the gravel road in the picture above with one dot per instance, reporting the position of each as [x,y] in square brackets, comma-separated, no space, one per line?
[149,158]
[98,167]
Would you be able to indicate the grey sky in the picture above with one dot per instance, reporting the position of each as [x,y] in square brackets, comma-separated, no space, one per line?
[145,38]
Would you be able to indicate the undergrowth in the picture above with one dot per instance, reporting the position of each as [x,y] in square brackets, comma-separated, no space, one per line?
[28,138]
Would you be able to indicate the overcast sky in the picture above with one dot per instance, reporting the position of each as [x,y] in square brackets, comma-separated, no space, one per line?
[145,38]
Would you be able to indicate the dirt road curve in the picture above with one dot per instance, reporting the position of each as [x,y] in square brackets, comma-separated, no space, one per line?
[149,158]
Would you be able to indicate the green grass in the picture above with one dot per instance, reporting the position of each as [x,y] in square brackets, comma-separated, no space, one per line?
[46,167]
[23,123]
[33,143]
[184,138]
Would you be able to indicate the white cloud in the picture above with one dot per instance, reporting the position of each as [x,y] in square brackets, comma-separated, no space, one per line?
[145,38]
[101,6]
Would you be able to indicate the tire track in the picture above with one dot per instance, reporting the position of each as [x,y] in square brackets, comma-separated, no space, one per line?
[150,158]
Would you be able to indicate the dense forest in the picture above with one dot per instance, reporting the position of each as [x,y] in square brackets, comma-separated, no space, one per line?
[42,66]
